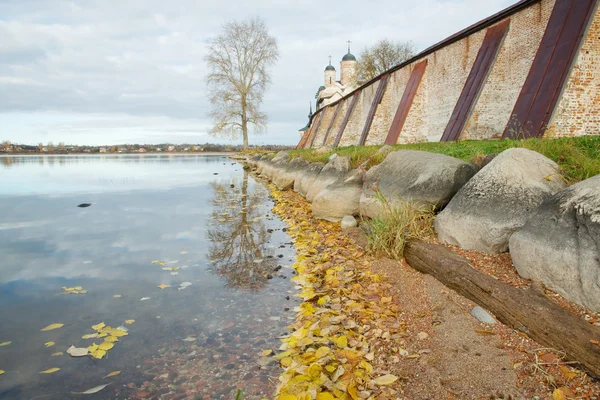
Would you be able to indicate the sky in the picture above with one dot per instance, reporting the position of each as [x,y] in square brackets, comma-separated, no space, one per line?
[92,72]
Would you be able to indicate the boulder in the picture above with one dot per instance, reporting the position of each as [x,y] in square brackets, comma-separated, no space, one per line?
[498,200]
[306,178]
[429,179]
[349,222]
[284,179]
[339,199]
[333,171]
[270,169]
[560,244]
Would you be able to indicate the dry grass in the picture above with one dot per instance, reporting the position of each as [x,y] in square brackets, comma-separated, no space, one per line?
[388,233]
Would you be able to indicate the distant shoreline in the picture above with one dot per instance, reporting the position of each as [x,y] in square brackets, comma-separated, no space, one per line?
[206,153]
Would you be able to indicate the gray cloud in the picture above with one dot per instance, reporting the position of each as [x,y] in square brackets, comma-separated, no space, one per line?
[144,58]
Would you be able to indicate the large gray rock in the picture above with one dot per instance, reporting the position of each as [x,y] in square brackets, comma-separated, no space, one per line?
[428,179]
[306,178]
[270,169]
[498,200]
[560,244]
[339,199]
[333,171]
[285,177]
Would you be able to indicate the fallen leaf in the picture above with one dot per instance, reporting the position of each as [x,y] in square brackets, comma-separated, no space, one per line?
[77,351]
[117,296]
[52,326]
[49,344]
[386,379]
[484,332]
[99,326]
[592,341]
[1,371]
[162,286]
[567,373]
[322,352]
[265,353]
[558,394]
[90,336]
[106,346]
[325,396]
[50,371]
[114,373]
[185,284]
[58,353]
[129,321]
[98,353]
[92,390]
[5,343]
[189,339]
[111,339]
[145,298]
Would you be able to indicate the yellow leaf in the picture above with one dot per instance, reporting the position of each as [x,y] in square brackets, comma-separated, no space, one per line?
[98,353]
[162,286]
[118,333]
[111,339]
[114,373]
[286,362]
[314,371]
[106,346]
[567,373]
[49,344]
[90,336]
[286,397]
[5,343]
[558,394]
[50,371]
[99,326]
[342,341]
[117,296]
[386,379]
[93,348]
[265,353]
[58,353]
[325,396]
[322,352]
[129,321]
[78,288]
[352,391]
[83,291]
[52,326]
[304,396]
[1,371]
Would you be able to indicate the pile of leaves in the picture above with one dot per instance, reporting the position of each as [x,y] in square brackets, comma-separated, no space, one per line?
[327,356]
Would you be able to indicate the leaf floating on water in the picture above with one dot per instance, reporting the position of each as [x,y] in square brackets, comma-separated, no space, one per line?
[50,371]
[114,373]
[162,286]
[145,298]
[77,351]
[49,344]
[117,296]
[5,343]
[92,390]
[52,326]
[386,379]
[58,353]
[111,339]
[189,339]
[184,252]
[185,284]
[106,346]
[174,273]
[157,262]
[122,328]
[98,353]
[99,326]
[90,336]
[1,371]
[265,353]
[129,321]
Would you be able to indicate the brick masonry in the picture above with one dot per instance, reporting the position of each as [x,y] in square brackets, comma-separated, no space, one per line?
[577,113]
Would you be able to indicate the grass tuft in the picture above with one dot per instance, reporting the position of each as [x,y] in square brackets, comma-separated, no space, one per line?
[388,233]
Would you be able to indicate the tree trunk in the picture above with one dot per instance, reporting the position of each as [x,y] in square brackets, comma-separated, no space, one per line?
[244,123]
[527,310]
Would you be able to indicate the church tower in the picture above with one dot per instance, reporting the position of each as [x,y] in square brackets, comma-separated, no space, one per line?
[330,74]
[348,69]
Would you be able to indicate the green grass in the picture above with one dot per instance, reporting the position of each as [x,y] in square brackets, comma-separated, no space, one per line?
[578,158]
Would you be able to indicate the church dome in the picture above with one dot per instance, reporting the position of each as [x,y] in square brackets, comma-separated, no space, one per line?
[349,57]
[329,68]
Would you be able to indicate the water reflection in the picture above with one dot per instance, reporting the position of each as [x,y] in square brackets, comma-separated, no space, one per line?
[238,237]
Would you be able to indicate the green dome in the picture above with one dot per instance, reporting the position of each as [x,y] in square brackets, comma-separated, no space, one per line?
[349,57]
[329,68]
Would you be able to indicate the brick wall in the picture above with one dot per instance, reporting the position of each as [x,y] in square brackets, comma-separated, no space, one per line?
[577,113]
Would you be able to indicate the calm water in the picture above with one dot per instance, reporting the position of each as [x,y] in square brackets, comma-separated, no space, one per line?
[203,216]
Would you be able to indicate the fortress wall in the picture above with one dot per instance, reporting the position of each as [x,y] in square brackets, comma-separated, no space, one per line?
[449,64]
[338,121]
[499,95]
[578,112]
[329,111]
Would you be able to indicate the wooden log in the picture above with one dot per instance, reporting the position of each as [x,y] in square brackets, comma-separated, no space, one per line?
[527,310]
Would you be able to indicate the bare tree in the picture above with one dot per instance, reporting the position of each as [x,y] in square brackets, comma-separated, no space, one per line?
[238,59]
[382,56]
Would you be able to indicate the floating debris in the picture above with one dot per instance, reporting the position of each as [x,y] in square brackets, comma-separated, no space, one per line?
[83,205]
[52,327]
[74,290]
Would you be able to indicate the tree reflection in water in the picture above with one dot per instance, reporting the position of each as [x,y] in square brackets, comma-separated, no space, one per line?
[238,236]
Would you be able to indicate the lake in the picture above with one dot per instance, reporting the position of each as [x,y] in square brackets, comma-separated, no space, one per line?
[178,263]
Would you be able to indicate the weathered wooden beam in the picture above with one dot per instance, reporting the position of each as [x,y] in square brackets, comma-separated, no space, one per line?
[337,110]
[353,102]
[376,100]
[527,310]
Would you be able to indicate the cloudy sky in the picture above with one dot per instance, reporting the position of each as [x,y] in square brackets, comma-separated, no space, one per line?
[132,71]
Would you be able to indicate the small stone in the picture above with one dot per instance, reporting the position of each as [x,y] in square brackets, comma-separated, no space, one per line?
[348,222]
[422,335]
[482,315]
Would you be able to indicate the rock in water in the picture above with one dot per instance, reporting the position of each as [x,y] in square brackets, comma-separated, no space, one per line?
[498,200]
[349,222]
[414,176]
[83,205]
[560,244]
[482,315]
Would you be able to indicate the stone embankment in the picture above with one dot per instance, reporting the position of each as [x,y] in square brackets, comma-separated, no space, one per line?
[518,202]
